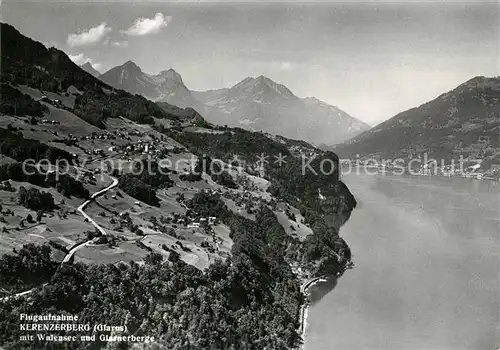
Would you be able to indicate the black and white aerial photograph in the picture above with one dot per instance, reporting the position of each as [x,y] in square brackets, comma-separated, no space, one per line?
[250,175]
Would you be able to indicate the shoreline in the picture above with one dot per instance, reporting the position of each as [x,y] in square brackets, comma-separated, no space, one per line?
[306,284]
[470,176]
[305,306]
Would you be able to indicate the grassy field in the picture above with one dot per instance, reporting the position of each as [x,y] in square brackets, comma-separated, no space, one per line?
[64,225]
[126,251]
[299,230]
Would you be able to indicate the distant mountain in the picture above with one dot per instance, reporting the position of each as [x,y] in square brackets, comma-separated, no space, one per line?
[261,104]
[166,86]
[463,121]
[88,68]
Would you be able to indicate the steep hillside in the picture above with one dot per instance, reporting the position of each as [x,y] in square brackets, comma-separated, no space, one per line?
[28,62]
[464,121]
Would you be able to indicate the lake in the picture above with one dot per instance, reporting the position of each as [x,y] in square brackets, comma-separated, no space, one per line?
[426,251]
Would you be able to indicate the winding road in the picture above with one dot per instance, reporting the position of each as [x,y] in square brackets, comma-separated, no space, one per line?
[75,248]
[96,225]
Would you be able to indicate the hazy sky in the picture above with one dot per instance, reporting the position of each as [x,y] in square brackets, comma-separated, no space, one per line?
[371,59]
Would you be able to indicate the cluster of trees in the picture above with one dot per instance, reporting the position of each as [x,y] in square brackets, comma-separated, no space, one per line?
[137,189]
[324,252]
[145,180]
[30,266]
[14,145]
[161,225]
[202,166]
[14,102]
[224,179]
[192,177]
[63,183]
[150,173]
[58,246]
[34,199]
[14,171]
[67,186]
[206,204]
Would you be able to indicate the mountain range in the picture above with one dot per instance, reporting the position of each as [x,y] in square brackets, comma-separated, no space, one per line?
[465,120]
[254,103]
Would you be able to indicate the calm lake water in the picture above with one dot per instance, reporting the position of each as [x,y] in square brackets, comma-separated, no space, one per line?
[427,268]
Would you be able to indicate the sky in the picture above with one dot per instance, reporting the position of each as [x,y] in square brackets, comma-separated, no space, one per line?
[372,59]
